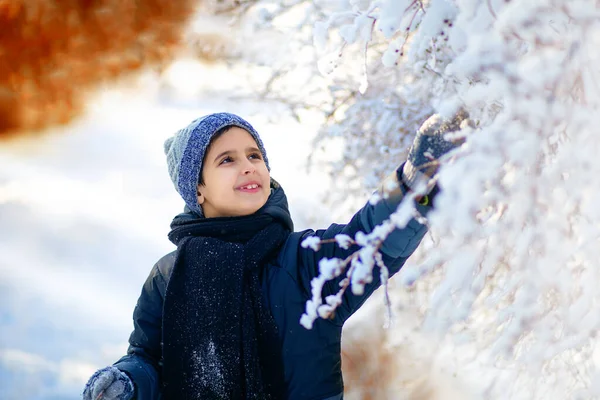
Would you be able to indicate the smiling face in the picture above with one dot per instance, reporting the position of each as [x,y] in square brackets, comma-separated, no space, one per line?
[235,179]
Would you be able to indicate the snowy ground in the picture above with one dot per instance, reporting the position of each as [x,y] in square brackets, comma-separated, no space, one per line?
[85,211]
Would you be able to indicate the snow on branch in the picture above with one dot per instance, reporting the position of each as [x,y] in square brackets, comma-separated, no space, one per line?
[515,234]
[516,231]
[358,266]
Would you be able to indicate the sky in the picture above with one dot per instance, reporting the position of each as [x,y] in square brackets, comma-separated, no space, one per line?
[85,212]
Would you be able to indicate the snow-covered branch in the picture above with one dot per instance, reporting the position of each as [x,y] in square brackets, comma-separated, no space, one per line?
[512,260]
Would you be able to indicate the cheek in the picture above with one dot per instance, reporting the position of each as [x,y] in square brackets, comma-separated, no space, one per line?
[267,190]
[265,172]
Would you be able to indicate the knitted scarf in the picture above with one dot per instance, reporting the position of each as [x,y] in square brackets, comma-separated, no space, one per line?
[219,339]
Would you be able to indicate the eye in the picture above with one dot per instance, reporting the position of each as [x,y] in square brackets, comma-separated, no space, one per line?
[226,160]
[256,156]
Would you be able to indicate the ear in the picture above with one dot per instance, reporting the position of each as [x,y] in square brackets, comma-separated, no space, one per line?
[200,192]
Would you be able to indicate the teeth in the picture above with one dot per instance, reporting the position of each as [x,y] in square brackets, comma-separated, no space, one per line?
[253,186]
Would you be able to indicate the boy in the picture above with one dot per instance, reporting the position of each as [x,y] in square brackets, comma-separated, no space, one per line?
[219,317]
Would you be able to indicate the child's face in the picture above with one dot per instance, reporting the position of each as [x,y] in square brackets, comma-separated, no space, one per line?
[236,179]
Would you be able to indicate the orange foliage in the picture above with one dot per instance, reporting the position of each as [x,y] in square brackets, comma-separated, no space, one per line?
[367,364]
[53,51]
[378,364]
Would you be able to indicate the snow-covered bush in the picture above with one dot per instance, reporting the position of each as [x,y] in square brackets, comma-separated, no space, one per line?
[511,263]
[510,267]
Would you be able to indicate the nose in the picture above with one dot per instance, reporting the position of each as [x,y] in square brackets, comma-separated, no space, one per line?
[248,168]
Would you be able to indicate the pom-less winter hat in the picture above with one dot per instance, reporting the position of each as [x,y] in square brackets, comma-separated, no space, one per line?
[186,149]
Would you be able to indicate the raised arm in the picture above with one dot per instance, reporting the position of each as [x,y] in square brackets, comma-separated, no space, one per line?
[395,249]
[431,143]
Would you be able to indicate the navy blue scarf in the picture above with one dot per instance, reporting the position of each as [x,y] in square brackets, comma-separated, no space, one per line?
[219,339]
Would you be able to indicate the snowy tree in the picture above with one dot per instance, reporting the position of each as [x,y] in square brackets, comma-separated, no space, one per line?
[510,269]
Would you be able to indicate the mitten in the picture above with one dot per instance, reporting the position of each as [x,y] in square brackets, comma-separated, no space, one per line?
[429,145]
[109,383]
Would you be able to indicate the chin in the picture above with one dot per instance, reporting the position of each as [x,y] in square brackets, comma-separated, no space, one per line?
[244,213]
[255,208]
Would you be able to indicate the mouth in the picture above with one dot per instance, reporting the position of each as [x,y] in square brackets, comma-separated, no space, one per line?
[250,188]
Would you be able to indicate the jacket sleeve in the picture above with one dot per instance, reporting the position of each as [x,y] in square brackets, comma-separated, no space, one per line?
[143,360]
[395,249]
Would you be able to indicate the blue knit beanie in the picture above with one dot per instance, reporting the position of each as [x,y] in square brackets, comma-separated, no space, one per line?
[185,152]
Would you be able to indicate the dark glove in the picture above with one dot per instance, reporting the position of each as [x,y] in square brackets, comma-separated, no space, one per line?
[429,145]
[109,383]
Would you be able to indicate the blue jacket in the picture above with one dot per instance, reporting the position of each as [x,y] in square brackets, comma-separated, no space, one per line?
[311,358]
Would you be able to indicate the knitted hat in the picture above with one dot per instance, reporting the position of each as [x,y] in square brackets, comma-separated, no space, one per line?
[185,152]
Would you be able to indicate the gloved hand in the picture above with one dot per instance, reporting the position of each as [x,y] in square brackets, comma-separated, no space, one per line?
[109,384]
[429,145]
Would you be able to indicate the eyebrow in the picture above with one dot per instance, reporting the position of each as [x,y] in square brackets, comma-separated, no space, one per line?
[248,149]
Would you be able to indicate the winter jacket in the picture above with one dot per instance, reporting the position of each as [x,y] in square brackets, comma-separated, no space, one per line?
[311,358]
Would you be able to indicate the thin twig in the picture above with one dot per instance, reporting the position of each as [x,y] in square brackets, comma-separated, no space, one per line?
[489,4]
[407,33]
